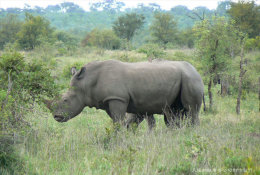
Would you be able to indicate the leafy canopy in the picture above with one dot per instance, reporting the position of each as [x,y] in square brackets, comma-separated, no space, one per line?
[164,28]
[105,39]
[214,39]
[35,30]
[247,17]
[126,26]
[9,27]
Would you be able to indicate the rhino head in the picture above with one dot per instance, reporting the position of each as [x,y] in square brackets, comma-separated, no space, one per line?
[71,103]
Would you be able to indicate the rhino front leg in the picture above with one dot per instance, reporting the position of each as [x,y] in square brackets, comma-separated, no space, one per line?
[117,110]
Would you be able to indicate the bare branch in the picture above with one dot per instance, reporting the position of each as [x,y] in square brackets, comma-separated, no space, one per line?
[197,16]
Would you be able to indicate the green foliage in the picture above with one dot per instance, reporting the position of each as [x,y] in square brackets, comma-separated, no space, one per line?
[164,28]
[65,43]
[22,84]
[151,50]
[12,63]
[10,162]
[214,37]
[253,43]
[127,25]
[237,162]
[105,39]
[33,77]
[66,73]
[9,27]
[37,81]
[247,16]
[186,38]
[216,40]
[86,145]
[34,31]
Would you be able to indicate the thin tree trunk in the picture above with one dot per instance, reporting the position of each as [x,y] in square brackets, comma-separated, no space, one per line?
[204,108]
[259,92]
[210,93]
[10,85]
[224,86]
[242,72]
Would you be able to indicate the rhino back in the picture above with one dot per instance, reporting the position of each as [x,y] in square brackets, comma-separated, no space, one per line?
[146,87]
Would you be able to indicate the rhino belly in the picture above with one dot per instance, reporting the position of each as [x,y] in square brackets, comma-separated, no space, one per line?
[151,101]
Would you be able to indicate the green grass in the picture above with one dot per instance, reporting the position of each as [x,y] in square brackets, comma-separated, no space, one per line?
[88,144]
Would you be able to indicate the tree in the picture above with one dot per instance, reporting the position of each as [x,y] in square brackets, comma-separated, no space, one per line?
[186,38]
[214,38]
[9,27]
[105,39]
[164,28]
[126,26]
[222,8]
[34,31]
[242,71]
[247,16]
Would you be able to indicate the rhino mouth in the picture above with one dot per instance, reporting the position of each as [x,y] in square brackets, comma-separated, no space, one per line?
[59,118]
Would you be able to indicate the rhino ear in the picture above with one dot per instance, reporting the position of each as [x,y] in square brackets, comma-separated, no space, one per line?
[80,74]
[73,70]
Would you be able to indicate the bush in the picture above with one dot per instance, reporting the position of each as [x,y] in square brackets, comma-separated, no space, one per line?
[151,50]
[9,27]
[105,39]
[67,69]
[34,31]
[10,162]
[253,43]
[22,84]
[66,43]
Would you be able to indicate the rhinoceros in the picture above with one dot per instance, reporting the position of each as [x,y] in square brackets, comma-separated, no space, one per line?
[143,89]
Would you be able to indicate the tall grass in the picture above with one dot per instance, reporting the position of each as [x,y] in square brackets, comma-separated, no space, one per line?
[87,144]
[223,143]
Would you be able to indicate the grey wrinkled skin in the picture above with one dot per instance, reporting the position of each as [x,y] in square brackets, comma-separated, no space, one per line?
[142,89]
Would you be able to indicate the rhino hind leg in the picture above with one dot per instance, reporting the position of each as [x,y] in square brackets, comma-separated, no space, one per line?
[192,104]
[174,117]
[133,119]
[174,114]
[137,119]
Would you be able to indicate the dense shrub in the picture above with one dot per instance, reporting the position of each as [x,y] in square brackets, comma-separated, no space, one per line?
[21,85]
[151,50]
[34,31]
[67,69]
[105,39]
[9,27]
[10,162]
[65,43]
[253,43]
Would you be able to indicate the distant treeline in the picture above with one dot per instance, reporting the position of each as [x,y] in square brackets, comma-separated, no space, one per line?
[73,18]
[69,24]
